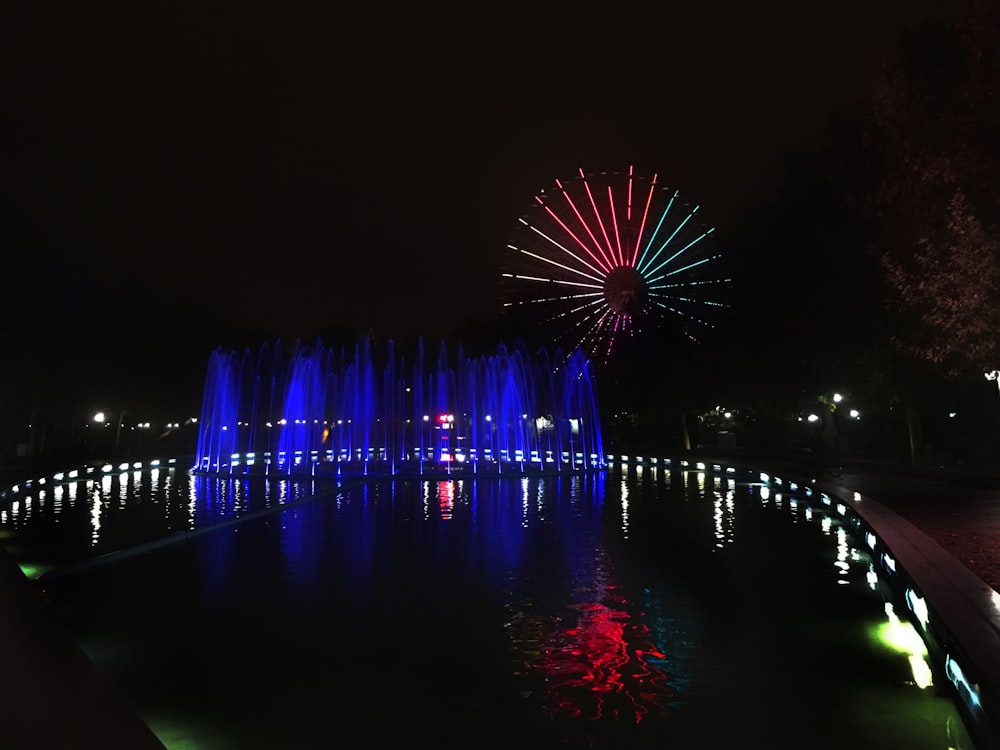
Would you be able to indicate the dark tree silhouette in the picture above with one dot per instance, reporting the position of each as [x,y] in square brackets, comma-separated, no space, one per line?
[934,115]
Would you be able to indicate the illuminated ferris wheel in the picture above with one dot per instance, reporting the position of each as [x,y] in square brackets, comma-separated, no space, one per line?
[604,256]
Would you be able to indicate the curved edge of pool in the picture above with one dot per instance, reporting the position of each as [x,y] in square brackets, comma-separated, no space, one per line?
[956,612]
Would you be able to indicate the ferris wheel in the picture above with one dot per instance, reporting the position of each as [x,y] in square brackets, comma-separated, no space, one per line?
[605,256]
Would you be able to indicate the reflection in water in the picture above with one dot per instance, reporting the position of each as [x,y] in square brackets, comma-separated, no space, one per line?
[624,503]
[95,517]
[600,656]
[601,665]
[446,499]
[724,507]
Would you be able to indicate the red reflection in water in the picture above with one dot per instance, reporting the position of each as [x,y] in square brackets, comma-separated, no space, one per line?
[599,669]
[446,499]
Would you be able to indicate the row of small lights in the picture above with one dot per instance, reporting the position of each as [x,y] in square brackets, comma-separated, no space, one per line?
[74,474]
[101,418]
[444,419]
[837,398]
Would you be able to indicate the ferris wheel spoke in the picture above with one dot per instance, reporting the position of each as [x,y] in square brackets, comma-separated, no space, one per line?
[645,213]
[566,250]
[682,250]
[652,239]
[614,224]
[608,263]
[600,221]
[663,247]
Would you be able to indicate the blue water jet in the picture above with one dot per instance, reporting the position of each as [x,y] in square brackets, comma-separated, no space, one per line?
[354,410]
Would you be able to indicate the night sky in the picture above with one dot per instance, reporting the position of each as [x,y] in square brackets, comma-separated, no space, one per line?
[286,169]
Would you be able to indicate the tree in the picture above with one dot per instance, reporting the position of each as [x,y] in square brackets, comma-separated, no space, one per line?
[926,186]
[951,288]
[934,116]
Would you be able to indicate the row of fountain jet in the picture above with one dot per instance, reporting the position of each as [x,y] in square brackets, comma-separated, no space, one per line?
[365,408]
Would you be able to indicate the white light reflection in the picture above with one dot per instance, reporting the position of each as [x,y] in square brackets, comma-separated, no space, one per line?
[724,517]
[889,563]
[192,503]
[95,518]
[524,502]
[624,509]
[918,606]
[122,489]
[871,577]
[843,551]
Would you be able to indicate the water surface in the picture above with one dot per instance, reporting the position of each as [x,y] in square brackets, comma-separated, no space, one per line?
[639,609]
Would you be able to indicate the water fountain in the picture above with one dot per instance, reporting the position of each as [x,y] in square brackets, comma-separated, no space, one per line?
[358,410]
